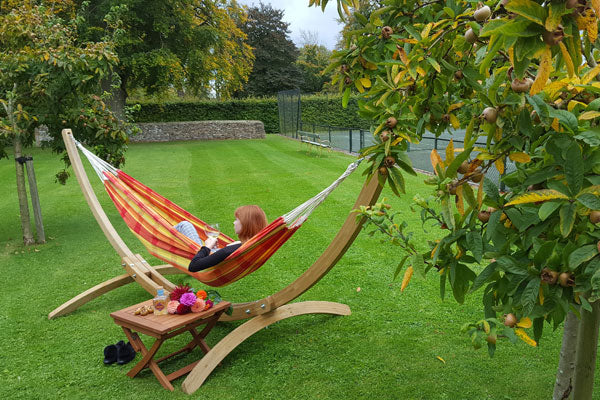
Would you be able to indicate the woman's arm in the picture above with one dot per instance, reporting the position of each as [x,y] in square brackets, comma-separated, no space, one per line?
[203,259]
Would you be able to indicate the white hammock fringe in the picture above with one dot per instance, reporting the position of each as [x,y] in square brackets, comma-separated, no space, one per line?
[299,214]
[99,165]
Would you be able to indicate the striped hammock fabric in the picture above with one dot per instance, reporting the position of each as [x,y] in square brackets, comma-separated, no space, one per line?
[151,217]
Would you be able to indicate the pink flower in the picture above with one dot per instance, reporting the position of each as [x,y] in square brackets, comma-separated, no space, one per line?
[188,299]
[172,307]
[198,306]
[209,304]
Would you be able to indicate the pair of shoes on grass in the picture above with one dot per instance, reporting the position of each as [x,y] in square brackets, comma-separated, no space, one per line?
[120,353]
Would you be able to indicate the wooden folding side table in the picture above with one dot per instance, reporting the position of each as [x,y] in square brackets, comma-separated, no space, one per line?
[163,327]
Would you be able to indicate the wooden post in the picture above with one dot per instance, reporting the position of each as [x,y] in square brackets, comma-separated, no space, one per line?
[35,201]
[22,194]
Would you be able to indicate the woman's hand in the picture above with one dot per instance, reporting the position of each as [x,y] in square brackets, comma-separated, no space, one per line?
[211,243]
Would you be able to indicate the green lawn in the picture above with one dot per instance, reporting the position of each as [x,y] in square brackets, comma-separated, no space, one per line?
[386,349]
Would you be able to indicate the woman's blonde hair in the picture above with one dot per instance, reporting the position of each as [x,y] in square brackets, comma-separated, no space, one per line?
[253,220]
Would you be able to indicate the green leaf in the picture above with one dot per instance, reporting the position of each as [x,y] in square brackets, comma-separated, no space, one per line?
[491,190]
[483,276]
[567,218]
[434,64]
[509,264]
[589,200]
[530,295]
[346,97]
[547,209]
[528,9]
[397,178]
[543,253]
[469,196]
[447,214]
[475,244]
[412,31]
[574,168]
[491,53]
[581,255]
[507,27]
[565,118]
[453,167]
[538,328]
[418,265]
[591,136]
[539,105]
[400,265]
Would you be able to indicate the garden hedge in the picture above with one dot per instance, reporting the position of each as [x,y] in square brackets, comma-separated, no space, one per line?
[317,109]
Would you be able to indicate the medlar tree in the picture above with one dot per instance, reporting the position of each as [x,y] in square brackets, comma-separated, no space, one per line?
[521,75]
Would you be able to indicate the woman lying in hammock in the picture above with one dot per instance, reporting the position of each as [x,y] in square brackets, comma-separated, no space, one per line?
[249,220]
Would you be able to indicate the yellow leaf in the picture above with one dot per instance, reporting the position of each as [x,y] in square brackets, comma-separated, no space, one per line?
[499,165]
[525,323]
[406,279]
[359,86]
[450,152]
[480,194]
[591,74]
[441,359]
[594,189]
[535,196]
[460,206]
[435,160]
[541,296]
[421,71]
[454,121]
[511,56]
[402,55]
[553,88]
[555,125]
[454,106]
[576,296]
[543,72]
[567,58]
[519,157]
[524,337]
[596,6]
[589,115]
[498,134]
[552,21]
[573,103]
[366,82]
[486,326]
[426,31]
[434,249]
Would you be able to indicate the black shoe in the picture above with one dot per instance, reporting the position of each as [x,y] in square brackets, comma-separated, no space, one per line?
[110,354]
[126,353]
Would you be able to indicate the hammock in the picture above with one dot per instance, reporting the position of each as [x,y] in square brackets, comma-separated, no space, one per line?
[151,218]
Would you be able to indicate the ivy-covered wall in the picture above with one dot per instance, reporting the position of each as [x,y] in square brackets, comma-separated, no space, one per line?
[317,109]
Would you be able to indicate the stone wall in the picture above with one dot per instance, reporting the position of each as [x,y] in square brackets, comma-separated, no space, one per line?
[199,130]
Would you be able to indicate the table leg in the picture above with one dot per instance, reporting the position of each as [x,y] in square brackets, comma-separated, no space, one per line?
[147,361]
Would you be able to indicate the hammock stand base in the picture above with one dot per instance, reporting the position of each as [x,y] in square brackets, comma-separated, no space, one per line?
[261,313]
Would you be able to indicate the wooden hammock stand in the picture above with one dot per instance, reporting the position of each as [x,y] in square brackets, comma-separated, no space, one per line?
[261,313]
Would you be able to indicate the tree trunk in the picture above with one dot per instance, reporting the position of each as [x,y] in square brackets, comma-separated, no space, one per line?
[587,346]
[116,103]
[35,202]
[566,364]
[22,194]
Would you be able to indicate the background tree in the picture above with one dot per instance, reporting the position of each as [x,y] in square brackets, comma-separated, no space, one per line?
[49,77]
[521,75]
[184,45]
[312,60]
[275,54]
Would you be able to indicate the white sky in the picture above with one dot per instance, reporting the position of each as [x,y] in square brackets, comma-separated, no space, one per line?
[304,18]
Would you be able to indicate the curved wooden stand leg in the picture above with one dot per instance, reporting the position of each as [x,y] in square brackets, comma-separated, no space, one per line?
[90,295]
[208,363]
